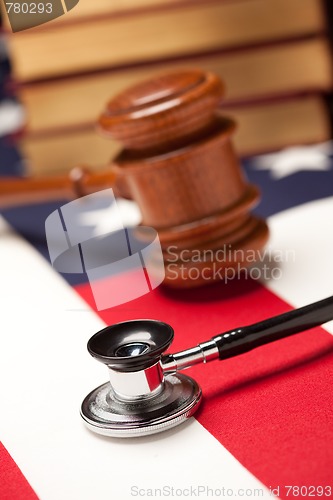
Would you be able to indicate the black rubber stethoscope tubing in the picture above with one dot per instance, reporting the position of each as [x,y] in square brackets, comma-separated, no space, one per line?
[244,339]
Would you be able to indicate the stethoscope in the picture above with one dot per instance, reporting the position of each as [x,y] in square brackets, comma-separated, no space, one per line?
[146,393]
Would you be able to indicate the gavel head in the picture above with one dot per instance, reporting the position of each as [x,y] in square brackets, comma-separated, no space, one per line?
[179,165]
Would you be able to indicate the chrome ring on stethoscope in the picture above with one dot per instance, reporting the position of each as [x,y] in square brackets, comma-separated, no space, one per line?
[140,398]
[146,393]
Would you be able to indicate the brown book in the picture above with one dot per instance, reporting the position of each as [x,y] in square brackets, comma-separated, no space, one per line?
[62,47]
[278,124]
[262,127]
[88,10]
[272,70]
[59,152]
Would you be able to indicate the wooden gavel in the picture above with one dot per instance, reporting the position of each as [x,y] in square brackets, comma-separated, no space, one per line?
[179,165]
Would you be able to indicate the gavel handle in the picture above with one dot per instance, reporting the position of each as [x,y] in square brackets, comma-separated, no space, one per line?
[79,182]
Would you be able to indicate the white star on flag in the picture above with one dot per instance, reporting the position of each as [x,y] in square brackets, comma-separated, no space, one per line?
[102,220]
[296,159]
[12,117]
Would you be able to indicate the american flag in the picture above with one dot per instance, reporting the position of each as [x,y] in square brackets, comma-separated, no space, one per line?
[266,425]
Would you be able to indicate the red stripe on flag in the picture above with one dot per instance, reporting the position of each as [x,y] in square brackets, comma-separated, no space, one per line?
[13,485]
[271,408]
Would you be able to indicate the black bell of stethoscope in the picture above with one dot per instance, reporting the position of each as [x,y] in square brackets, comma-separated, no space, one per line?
[146,393]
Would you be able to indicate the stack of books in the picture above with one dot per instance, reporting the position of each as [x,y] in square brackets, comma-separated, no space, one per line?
[274,57]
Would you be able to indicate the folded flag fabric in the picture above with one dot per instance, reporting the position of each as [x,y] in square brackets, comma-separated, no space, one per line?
[265,426]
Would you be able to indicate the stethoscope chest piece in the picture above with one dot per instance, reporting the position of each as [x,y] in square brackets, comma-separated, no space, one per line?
[140,399]
[104,414]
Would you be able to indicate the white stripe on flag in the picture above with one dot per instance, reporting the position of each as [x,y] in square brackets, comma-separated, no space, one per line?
[307,231]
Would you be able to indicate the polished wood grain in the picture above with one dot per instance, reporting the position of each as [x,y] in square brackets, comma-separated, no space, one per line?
[80,182]
[164,111]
